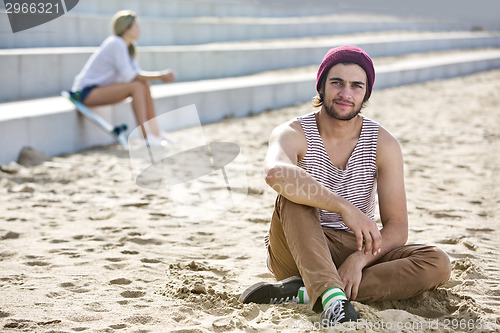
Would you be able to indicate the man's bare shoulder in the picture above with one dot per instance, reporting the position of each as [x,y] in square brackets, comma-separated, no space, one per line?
[388,146]
[386,139]
[290,138]
[291,128]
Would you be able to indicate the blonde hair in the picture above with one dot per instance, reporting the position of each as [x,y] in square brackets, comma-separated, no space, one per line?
[121,22]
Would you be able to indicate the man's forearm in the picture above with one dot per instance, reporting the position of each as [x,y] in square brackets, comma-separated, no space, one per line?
[298,186]
[393,236]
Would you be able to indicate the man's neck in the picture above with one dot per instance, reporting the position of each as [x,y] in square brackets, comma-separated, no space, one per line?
[331,128]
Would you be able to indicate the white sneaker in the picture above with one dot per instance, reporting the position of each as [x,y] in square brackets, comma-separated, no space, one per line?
[154,141]
[165,137]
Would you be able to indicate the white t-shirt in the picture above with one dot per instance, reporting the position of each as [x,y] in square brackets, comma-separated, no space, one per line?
[109,64]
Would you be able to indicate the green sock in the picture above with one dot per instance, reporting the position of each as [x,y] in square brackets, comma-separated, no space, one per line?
[303,297]
[332,295]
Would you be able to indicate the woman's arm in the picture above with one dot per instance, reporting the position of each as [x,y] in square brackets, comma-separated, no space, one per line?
[165,75]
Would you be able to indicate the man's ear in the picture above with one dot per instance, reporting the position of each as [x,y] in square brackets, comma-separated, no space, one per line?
[322,88]
[321,92]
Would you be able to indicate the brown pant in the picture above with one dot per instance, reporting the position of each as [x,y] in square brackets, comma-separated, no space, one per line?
[299,246]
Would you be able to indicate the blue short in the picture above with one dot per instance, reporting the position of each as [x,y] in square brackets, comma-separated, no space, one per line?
[81,95]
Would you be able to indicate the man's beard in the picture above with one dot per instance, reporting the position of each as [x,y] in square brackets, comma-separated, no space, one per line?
[330,110]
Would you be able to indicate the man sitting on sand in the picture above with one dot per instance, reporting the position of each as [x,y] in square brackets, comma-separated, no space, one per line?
[323,245]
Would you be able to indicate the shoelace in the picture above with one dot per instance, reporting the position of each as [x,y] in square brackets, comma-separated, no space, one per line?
[333,314]
[293,299]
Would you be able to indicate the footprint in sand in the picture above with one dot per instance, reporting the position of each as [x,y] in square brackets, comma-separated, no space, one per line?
[114,267]
[136,204]
[446,215]
[4,314]
[457,240]
[228,323]
[132,294]
[96,307]
[38,263]
[450,241]
[138,319]
[6,254]
[58,241]
[265,276]
[258,220]
[184,315]
[118,326]
[83,318]
[219,257]
[243,257]
[481,230]
[430,304]
[114,259]
[56,295]
[120,281]
[250,312]
[101,215]
[70,252]
[470,245]
[129,252]
[70,286]
[151,261]
[10,235]
[467,269]
[142,241]
[255,191]
[20,324]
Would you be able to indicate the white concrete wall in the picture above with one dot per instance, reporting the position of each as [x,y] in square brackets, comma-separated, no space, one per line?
[34,73]
[53,126]
[193,8]
[91,30]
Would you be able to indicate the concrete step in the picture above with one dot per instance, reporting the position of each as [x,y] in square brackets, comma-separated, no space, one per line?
[91,30]
[482,12]
[52,125]
[196,8]
[32,73]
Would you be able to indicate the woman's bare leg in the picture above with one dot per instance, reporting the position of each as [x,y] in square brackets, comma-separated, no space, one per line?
[150,110]
[117,92]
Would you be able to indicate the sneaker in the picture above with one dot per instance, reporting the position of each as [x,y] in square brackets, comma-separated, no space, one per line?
[285,291]
[154,141]
[338,312]
[167,138]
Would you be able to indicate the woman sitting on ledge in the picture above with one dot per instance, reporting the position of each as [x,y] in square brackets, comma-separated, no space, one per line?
[112,74]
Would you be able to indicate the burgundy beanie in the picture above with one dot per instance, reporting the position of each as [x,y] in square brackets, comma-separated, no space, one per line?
[347,53]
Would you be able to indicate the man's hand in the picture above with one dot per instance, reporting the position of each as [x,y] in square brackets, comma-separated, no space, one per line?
[351,273]
[364,228]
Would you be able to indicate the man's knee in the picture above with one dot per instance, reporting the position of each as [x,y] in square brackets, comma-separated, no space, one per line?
[290,206]
[443,265]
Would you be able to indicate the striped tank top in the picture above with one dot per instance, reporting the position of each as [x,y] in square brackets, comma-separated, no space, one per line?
[357,183]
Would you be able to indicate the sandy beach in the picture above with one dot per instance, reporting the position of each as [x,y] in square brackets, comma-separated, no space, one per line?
[84,249]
